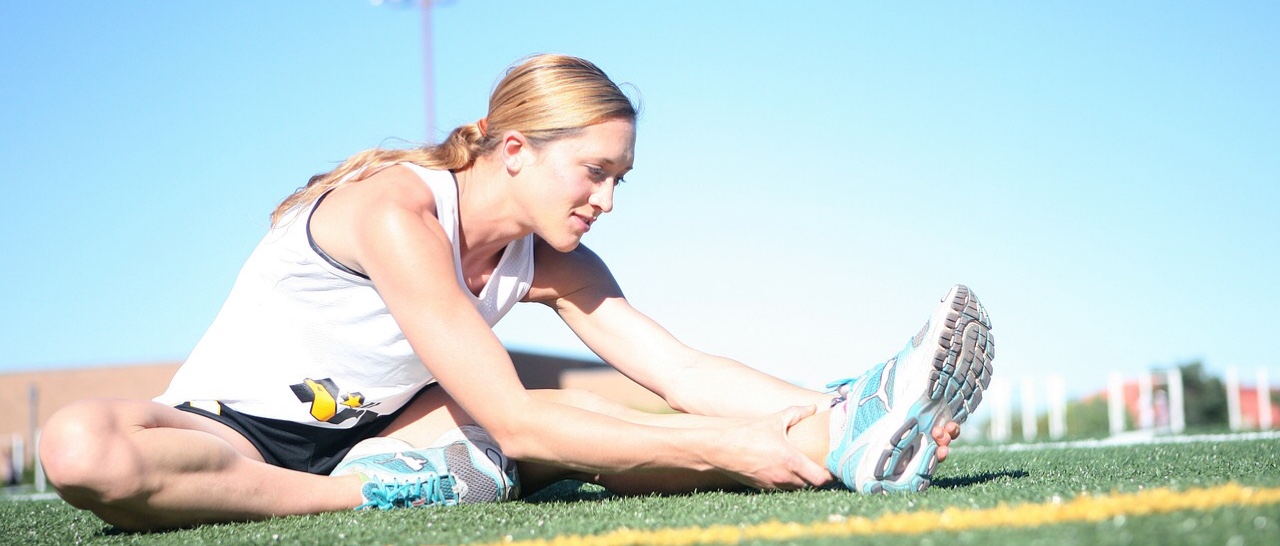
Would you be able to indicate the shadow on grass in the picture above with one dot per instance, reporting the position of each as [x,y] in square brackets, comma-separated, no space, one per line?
[975,479]
[568,491]
[575,491]
[175,533]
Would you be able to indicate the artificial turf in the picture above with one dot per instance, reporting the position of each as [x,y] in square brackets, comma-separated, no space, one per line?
[973,479]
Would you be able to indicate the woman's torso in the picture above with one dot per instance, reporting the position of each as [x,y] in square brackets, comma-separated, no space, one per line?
[304,338]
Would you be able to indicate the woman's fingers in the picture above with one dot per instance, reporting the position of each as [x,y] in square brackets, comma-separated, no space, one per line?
[812,473]
[760,454]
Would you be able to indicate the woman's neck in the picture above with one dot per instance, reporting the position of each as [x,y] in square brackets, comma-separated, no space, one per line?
[487,218]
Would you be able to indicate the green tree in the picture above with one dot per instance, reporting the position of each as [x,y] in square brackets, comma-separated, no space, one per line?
[1089,418]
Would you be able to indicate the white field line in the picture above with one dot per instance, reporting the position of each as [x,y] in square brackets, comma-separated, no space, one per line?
[1129,439]
[5,496]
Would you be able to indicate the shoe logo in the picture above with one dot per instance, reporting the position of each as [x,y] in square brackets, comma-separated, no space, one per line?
[460,489]
[498,460]
[413,462]
[882,387]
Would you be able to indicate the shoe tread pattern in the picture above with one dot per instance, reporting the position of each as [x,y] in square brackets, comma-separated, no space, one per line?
[961,371]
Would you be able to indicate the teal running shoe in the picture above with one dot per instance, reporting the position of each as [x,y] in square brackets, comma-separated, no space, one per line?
[882,422]
[444,476]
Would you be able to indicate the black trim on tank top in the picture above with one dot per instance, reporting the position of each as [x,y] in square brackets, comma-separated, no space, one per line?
[312,241]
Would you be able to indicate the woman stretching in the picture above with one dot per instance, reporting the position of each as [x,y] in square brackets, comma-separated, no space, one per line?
[363,320]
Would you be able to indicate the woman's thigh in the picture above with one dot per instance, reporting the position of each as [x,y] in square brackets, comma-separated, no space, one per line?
[435,413]
[105,418]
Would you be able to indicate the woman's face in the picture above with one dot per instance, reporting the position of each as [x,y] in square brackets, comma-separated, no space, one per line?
[570,181]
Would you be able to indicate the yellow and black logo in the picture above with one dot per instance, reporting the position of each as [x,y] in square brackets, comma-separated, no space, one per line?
[328,404]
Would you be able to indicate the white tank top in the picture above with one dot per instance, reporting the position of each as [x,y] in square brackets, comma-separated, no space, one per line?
[303,338]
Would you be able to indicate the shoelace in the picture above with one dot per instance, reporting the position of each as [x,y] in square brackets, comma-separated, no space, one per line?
[840,389]
[838,384]
[431,489]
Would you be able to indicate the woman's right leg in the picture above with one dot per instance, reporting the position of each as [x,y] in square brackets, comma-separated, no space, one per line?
[435,412]
[809,436]
[140,465]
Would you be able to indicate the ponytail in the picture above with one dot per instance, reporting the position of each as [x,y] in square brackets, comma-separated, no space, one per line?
[544,97]
[458,151]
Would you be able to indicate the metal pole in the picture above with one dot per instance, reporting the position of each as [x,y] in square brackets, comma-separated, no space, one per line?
[16,457]
[428,73]
[1177,404]
[1146,417]
[1115,402]
[41,481]
[1057,407]
[1001,415]
[33,420]
[1028,389]
[1233,398]
[1264,400]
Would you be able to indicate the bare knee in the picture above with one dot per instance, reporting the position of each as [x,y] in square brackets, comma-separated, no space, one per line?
[84,451]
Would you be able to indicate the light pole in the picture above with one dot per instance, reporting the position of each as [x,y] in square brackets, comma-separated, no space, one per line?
[428,62]
[428,73]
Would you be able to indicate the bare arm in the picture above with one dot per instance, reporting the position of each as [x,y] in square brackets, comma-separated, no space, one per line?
[689,380]
[386,229]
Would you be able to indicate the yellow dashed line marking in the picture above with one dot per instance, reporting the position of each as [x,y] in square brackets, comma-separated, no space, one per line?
[1079,509]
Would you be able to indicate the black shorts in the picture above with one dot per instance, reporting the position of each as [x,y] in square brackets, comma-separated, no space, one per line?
[297,446]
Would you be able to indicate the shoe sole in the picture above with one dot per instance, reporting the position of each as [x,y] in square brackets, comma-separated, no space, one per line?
[950,380]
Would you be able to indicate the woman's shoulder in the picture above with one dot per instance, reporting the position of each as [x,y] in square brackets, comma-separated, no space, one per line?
[383,206]
[397,186]
[559,274]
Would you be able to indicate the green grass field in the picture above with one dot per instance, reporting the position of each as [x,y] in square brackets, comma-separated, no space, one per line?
[1210,491]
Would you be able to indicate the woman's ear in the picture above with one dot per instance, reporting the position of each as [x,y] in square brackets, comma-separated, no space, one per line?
[515,150]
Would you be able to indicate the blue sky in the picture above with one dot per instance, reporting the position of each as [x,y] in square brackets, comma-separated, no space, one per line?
[810,176]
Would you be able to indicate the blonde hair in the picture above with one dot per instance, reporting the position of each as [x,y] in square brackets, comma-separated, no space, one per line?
[544,97]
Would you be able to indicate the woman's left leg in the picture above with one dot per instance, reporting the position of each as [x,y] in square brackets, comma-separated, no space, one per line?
[434,413]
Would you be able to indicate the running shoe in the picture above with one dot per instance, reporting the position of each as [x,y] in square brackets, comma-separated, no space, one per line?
[442,476]
[881,422]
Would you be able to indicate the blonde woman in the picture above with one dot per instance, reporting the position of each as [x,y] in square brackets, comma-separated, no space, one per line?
[363,320]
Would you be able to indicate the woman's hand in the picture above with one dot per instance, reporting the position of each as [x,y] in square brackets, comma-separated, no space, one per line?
[759,454]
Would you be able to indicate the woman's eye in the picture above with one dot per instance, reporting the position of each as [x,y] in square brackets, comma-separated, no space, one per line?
[598,174]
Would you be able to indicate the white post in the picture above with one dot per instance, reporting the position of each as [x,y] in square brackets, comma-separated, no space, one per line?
[19,458]
[1233,398]
[6,471]
[1028,409]
[1115,402]
[1001,424]
[41,482]
[1264,400]
[1057,407]
[1177,405]
[1146,417]
[33,418]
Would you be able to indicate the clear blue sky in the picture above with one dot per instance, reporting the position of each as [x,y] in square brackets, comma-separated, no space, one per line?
[810,177]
